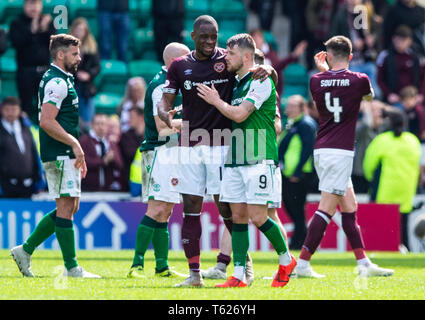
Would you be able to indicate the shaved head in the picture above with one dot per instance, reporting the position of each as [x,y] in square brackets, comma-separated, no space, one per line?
[172,51]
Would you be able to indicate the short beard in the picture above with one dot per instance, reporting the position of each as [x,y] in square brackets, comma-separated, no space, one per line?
[236,68]
[71,68]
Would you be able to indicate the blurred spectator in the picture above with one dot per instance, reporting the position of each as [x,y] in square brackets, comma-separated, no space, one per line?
[130,141]
[364,52]
[168,20]
[271,57]
[88,69]
[134,97]
[114,20]
[265,11]
[114,131]
[415,113]
[103,157]
[319,14]
[377,10]
[399,67]
[295,158]
[30,36]
[414,110]
[19,160]
[405,12]
[391,163]
[369,125]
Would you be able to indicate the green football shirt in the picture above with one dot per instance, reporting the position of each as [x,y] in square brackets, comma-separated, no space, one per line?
[153,96]
[254,139]
[57,87]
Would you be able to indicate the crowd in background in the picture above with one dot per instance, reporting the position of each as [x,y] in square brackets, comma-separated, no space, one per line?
[389,46]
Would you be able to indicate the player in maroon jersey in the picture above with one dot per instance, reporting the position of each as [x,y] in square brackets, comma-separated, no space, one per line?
[203,147]
[337,92]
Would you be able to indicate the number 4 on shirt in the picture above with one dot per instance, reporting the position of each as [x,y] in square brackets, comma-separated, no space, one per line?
[336,109]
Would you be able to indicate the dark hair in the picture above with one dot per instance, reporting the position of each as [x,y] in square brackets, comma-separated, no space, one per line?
[11,101]
[243,40]
[403,31]
[398,121]
[62,42]
[259,56]
[204,19]
[340,46]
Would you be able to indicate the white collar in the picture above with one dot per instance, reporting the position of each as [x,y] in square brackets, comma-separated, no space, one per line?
[95,136]
[10,127]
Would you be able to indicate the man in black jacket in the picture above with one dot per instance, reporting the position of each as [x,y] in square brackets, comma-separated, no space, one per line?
[19,169]
[30,36]
[405,12]
[114,19]
[295,159]
[168,23]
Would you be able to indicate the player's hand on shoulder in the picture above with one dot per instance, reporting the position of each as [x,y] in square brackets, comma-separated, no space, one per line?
[261,72]
[320,61]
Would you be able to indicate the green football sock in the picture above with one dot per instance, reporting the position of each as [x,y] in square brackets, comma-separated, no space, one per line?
[272,232]
[144,236]
[240,244]
[44,229]
[161,242]
[66,238]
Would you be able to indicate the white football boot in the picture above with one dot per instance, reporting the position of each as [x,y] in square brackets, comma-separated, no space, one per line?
[213,273]
[79,272]
[23,260]
[306,272]
[373,270]
[191,281]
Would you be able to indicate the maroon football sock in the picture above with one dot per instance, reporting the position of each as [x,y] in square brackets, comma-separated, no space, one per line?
[315,233]
[191,234]
[352,231]
[223,258]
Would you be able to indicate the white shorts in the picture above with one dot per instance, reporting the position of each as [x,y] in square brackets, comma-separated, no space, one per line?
[156,176]
[334,168]
[198,170]
[252,184]
[63,179]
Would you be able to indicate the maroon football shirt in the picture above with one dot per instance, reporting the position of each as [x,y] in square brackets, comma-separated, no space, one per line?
[338,95]
[184,75]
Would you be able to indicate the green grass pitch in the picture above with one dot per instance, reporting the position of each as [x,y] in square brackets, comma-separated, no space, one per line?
[341,282]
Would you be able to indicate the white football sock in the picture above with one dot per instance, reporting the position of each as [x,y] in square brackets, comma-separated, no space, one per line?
[285,258]
[303,263]
[239,273]
[364,262]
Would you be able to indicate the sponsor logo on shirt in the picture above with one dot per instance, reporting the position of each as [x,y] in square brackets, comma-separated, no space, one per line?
[188,72]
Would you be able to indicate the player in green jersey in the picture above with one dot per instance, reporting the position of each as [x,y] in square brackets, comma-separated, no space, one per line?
[61,155]
[251,177]
[155,176]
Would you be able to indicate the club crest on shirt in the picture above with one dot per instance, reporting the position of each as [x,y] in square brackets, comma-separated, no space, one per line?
[219,67]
